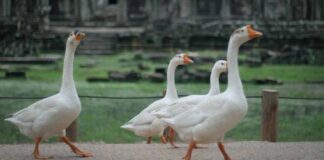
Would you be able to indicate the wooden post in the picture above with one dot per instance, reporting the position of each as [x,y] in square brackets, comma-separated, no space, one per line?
[269,115]
[72,132]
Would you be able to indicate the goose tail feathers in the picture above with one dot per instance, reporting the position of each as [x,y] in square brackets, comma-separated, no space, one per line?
[128,127]
[14,121]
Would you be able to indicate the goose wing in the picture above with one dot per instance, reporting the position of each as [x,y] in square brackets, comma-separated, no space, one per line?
[198,113]
[186,119]
[142,118]
[181,105]
[33,111]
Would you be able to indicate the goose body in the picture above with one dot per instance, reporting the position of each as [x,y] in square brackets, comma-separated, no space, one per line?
[185,103]
[47,117]
[145,124]
[52,115]
[208,121]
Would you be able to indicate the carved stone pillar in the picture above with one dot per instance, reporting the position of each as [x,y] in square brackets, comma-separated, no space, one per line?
[6,7]
[85,10]
[226,13]
[44,15]
[185,8]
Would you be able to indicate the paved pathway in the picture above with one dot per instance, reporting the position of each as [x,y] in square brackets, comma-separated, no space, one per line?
[250,150]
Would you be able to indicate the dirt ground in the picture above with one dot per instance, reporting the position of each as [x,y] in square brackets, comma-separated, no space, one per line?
[249,150]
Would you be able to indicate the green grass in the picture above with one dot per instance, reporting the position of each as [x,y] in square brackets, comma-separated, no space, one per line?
[100,119]
[291,73]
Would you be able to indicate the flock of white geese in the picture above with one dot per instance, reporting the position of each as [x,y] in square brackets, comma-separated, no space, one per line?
[197,119]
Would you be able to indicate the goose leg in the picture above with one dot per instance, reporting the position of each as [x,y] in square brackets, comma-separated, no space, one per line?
[36,149]
[195,146]
[189,151]
[166,132]
[163,140]
[222,149]
[171,137]
[75,149]
[149,140]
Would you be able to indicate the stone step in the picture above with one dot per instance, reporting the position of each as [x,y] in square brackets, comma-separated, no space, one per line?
[96,43]
[95,52]
[99,38]
[97,47]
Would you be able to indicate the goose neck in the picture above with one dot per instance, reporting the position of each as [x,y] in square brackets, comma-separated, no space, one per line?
[214,82]
[67,78]
[171,91]
[234,80]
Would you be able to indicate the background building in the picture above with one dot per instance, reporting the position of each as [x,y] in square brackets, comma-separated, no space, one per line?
[160,23]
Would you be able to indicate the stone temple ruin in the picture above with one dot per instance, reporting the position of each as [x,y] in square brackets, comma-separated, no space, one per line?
[28,26]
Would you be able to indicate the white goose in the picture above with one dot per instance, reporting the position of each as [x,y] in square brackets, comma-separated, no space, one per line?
[185,103]
[208,121]
[145,124]
[50,116]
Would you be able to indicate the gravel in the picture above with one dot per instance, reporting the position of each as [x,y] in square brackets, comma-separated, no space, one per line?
[245,150]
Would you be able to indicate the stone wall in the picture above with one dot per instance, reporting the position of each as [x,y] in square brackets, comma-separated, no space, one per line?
[166,23]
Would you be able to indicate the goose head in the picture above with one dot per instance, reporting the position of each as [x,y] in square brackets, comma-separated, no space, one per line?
[75,37]
[245,34]
[181,59]
[220,66]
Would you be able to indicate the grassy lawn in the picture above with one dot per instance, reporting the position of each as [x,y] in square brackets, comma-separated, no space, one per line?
[100,119]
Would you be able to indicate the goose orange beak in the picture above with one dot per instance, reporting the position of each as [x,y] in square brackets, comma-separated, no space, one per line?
[80,36]
[186,59]
[253,33]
